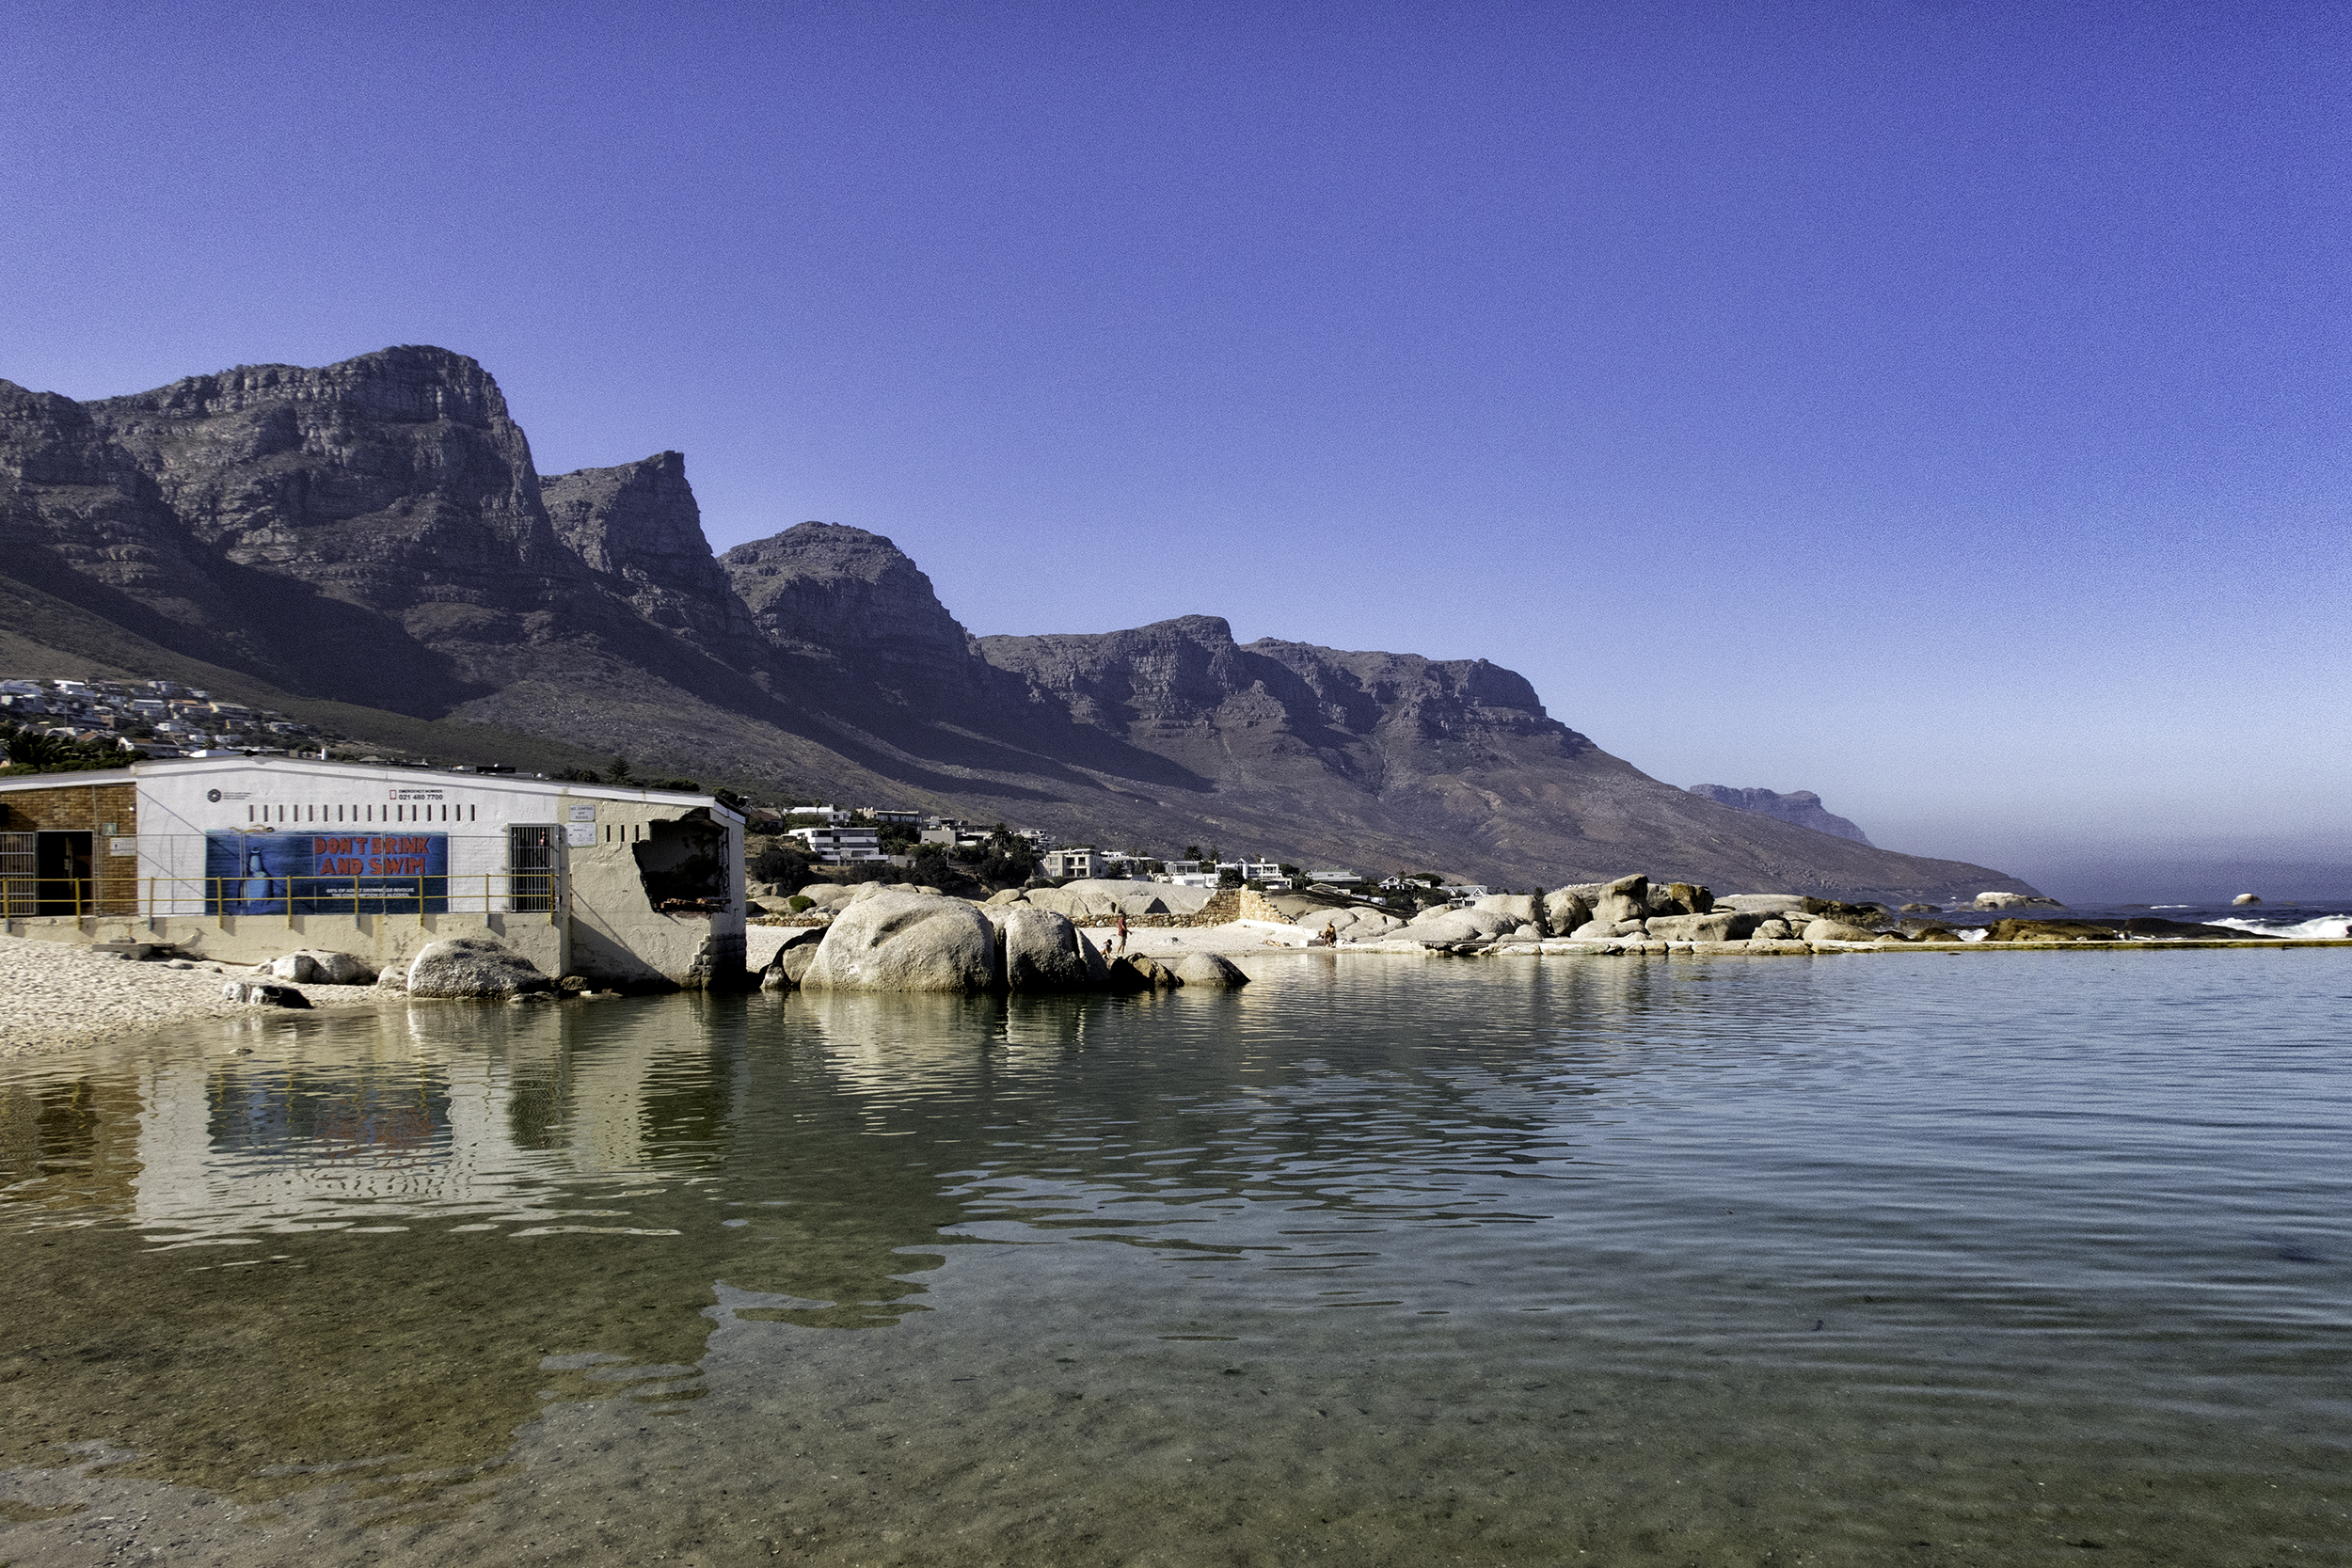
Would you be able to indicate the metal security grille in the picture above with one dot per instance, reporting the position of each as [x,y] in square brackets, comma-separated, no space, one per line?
[18,868]
[530,869]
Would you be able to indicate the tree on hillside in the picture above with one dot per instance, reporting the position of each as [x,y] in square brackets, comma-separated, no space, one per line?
[29,750]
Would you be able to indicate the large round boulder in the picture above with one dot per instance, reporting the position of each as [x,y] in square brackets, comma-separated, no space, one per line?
[1042,951]
[893,940]
[1836,930]
[1520,907]
[1150,971]
[1208,969]
[1627,898]
[1694,898]
[458,969]
[1731,925]
[1565,910]
[1446,926]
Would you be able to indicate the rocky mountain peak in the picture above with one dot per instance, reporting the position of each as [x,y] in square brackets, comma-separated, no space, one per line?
[1801,807]
[374,533]
[842,593]
[639,522]
[415,384]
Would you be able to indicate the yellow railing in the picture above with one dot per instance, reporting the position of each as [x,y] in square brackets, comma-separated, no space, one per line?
[483,892]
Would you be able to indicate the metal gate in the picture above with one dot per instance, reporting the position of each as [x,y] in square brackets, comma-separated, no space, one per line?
[531,869]
[18,868]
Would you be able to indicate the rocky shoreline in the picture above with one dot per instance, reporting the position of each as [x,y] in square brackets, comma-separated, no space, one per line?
[56,996]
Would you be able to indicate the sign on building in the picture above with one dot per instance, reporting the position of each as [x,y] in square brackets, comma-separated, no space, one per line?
[326,874]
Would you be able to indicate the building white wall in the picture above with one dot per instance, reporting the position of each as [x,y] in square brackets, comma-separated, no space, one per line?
[614,934]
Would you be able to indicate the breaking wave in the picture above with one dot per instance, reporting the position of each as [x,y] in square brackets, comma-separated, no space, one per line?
[2328,927]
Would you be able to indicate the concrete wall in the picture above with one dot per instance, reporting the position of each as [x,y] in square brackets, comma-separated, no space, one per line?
[381,940]
[617,934]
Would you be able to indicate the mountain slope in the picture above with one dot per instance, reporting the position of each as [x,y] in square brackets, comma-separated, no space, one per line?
[375,534]
[1395,751]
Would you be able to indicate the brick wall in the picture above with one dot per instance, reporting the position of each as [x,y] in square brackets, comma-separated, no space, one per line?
[85,808]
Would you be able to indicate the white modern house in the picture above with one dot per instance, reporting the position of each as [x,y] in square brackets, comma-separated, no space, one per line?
[244,858]
[1080,861]
[840,846]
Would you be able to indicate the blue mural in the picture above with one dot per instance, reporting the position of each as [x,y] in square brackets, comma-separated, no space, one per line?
[285,873]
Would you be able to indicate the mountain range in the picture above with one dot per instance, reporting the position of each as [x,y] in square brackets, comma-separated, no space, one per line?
[369,544]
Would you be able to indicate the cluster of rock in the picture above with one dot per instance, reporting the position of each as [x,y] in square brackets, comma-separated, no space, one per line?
[1630,907]
[1631,913]
[890,939]
[2138,928]
[1099,898]
[1634,911]
[313,967]
[1083,899]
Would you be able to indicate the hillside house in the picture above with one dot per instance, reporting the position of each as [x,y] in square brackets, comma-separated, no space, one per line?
[840,846]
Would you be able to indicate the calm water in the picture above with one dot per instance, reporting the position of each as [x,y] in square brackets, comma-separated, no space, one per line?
[1970,1259]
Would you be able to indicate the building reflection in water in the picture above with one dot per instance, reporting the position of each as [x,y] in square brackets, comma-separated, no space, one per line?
[374,1237]
[296,1245]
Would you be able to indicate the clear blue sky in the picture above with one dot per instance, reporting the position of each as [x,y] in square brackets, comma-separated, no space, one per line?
[1940,405]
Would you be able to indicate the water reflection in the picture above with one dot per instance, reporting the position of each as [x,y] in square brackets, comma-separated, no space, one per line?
[400,1227]
[1753,1203]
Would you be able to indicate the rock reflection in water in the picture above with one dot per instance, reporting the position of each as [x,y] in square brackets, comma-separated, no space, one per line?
[1515,1261]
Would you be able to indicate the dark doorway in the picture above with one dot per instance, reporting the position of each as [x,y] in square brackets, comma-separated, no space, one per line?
[61,874]
[530,868]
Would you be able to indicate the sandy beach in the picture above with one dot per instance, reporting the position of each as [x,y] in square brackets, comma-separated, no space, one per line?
[56,995]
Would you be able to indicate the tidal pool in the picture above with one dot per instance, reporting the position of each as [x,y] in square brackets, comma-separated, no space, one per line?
[2014,1258]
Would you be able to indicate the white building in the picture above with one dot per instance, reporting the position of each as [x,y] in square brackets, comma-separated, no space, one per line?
[244,858]
[1080,862]
[840,846]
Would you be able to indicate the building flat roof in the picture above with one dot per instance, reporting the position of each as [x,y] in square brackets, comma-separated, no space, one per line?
[68,781]
[154,767]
